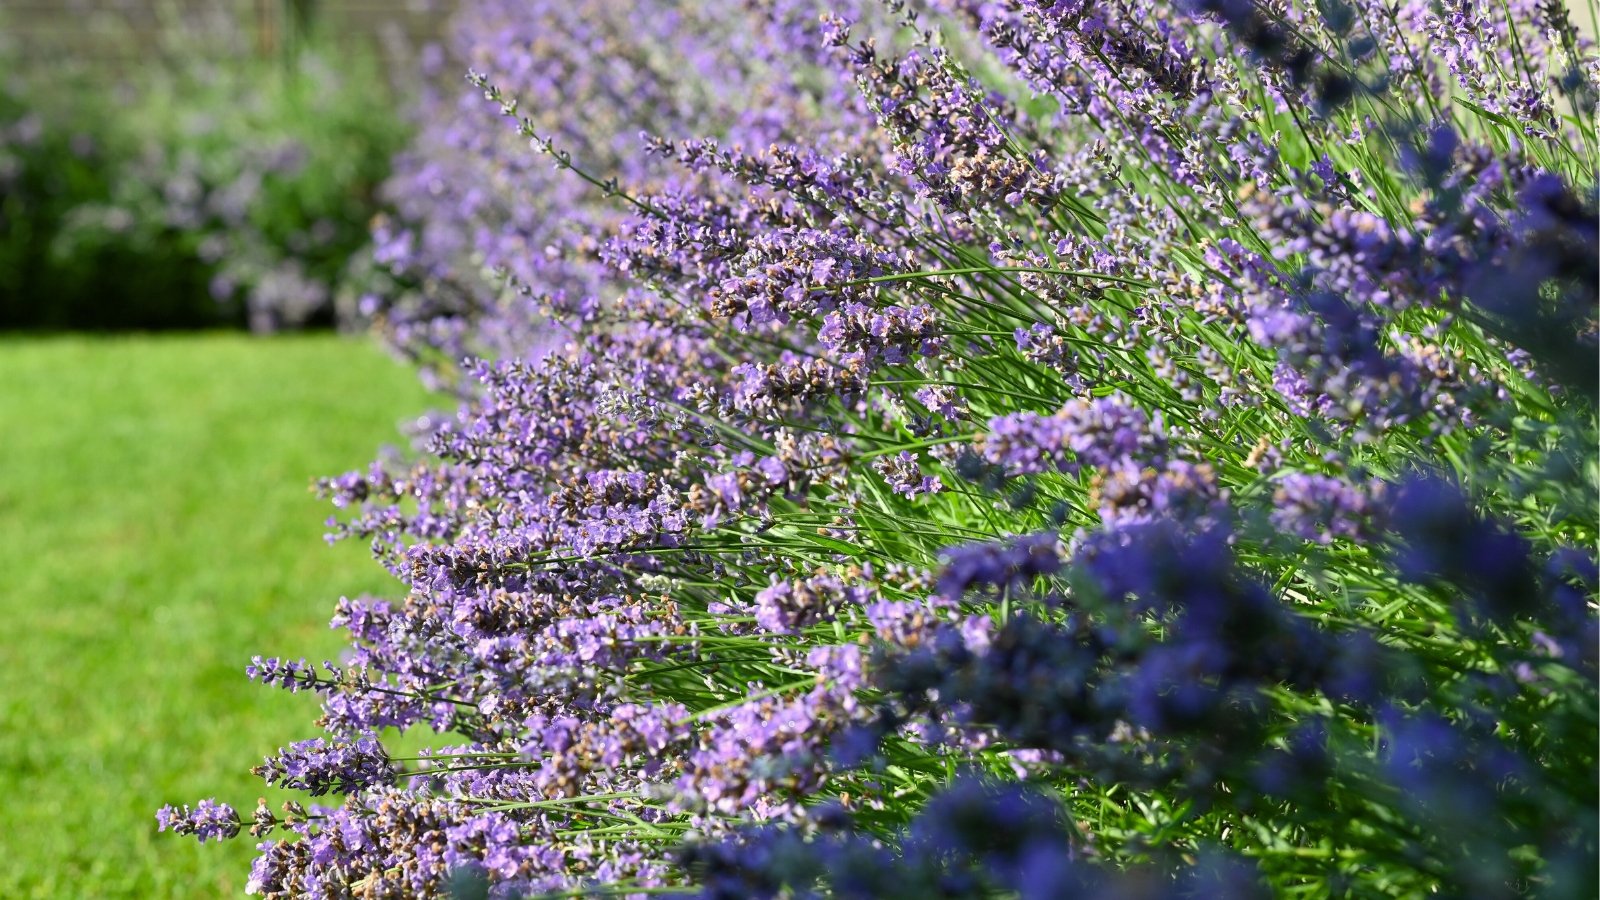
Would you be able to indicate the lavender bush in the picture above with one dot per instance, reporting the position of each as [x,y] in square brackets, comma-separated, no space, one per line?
[53,161]
[961,449]
[210,188]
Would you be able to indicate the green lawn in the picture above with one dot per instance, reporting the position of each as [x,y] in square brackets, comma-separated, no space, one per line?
[156,530]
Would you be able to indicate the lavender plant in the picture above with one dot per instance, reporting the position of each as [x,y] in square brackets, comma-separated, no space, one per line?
[978,449]
[54,160]
[205,189]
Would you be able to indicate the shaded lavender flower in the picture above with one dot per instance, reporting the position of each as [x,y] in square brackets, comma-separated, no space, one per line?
[974,838]
[771,862]
[1457,775]
[1301,769]
[1541,293]
[1275,45]
[1004,565]
[1571,578]
[1003,831]
[1446,540]
[1035,684]
[1066,686]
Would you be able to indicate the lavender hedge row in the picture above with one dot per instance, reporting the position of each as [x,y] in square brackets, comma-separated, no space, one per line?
[963,449]
[206,188]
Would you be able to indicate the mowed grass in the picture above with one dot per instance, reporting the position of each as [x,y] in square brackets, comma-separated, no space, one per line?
[156,530]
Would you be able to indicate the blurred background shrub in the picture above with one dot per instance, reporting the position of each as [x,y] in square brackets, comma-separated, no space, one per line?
[225,177]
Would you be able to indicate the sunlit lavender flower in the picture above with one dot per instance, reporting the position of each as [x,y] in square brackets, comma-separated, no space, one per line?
[319,766]
[208,819]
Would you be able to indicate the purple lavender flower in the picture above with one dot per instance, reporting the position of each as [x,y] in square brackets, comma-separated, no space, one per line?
[785,607]
[208,819]
[974,838]
[905,476]
[319,766]
[1004,565]
[1095,433]
[290,675]
[1321,507]
[1445,540]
